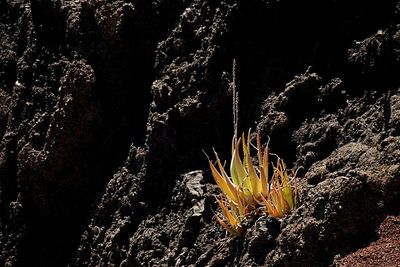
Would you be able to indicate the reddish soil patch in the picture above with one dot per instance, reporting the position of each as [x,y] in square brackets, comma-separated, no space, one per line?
[383,252]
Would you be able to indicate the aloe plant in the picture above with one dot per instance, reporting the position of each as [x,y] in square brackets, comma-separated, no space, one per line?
[247,187]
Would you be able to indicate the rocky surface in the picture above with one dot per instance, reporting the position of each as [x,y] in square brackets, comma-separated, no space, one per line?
[384,251]
[105,107]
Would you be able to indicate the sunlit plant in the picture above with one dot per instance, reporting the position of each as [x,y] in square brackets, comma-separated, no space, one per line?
[247,188]
[282,195]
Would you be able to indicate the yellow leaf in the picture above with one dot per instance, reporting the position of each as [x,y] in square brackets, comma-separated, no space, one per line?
[223,184]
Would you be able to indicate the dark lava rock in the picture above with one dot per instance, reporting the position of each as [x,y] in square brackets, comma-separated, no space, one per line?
[106,106]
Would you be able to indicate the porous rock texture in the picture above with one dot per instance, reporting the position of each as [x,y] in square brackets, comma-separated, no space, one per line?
[106,106]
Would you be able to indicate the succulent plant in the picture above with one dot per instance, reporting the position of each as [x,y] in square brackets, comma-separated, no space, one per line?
[248,188]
